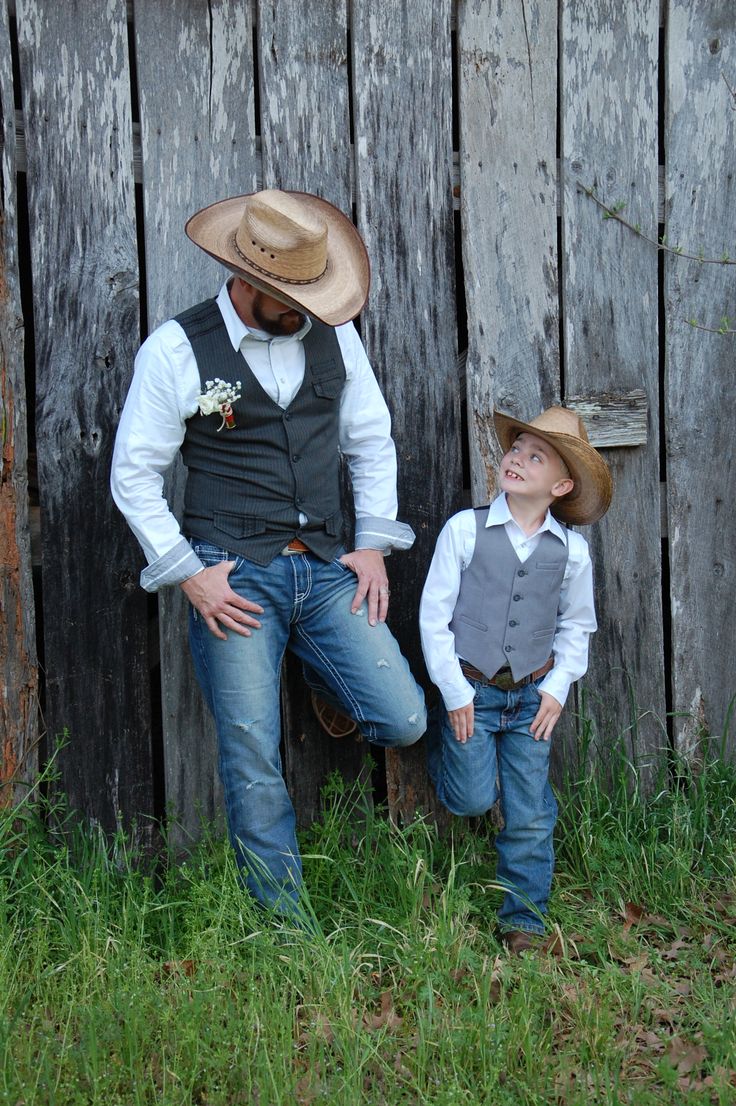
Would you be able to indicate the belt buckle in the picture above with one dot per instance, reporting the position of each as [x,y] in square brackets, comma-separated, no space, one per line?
[504,680]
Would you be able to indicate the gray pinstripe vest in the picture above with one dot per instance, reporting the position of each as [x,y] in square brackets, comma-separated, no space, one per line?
[506,611]
[247,486]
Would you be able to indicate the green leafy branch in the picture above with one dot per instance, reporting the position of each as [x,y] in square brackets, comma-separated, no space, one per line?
[613,211]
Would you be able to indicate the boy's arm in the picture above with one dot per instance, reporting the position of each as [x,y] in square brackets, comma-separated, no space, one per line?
[437,606]
[575,623]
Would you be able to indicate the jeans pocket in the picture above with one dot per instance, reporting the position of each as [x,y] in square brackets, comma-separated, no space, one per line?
[210,554]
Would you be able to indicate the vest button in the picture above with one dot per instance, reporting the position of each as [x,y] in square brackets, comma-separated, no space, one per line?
[299,501]
[287,417]
[513,622]
[517,598]
[295,457]
[508,648]
[521,572]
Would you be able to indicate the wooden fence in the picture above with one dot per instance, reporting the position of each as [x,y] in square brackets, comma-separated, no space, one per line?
[463,137]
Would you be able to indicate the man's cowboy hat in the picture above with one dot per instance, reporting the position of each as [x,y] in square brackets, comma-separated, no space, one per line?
[292,245]
[563,429]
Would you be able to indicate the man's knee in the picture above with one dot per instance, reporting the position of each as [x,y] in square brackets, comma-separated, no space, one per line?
[402,730]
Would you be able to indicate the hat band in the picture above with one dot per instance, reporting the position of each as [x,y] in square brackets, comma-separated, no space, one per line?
[276,276]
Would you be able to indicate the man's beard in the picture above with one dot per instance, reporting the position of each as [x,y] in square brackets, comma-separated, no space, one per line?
[285,324]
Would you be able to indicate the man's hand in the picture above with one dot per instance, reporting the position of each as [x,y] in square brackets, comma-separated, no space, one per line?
[216,601]
[369,567]
[546,717]
[462,721]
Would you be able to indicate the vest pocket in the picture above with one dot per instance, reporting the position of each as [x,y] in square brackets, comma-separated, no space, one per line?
[547,566]
[238,526]
[328,389]
[471,622]
[543,633]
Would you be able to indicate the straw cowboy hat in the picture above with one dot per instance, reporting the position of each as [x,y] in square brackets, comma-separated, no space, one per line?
[563,429]
[292,245]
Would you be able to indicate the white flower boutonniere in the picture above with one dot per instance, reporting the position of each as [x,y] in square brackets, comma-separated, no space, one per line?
[219,396]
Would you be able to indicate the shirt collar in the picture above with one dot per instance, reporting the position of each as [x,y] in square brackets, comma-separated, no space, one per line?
[499,514]
[237,330]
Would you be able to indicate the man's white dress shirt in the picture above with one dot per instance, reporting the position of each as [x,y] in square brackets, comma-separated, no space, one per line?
[163,395]
[452,555]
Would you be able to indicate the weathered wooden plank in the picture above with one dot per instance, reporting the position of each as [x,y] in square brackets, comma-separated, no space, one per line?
[76,101]
[18,670]
[403,143]
[609,136]
[613,420]
[507,90]
[701,207]
[305,125]
[198,146]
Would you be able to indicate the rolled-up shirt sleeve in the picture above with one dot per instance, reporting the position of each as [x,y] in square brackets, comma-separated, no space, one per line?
[162,396]
[366,442]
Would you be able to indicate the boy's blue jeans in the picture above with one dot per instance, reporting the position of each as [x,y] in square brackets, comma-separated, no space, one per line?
[502,759]
[356,667]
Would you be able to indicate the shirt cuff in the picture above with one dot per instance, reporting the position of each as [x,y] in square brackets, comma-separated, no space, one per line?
[382,534]
[178,564]
[556,684]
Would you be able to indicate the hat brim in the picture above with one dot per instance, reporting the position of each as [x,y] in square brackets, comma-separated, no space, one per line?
[591,497]
[337,297]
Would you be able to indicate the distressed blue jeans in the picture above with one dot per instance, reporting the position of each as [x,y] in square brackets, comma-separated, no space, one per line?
[502,760]
[356,667]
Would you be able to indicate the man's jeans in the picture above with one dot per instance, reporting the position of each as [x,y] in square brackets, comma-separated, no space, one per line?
[357,667]
[502,757]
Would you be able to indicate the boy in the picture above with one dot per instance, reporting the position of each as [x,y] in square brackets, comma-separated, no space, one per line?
[505,616]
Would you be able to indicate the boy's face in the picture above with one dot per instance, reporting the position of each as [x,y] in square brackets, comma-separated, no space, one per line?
[533,469]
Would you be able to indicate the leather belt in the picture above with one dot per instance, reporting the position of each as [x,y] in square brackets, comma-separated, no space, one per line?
[504,678]
[296,545]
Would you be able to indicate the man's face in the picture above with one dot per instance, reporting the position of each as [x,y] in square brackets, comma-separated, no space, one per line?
[533,469]
[274,317]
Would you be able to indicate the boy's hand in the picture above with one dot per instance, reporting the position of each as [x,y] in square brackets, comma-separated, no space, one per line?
[546,717]
[461,721]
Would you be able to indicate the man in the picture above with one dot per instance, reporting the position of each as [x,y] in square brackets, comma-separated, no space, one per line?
[262,388]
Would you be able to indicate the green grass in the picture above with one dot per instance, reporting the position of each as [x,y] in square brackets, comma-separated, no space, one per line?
[119,986]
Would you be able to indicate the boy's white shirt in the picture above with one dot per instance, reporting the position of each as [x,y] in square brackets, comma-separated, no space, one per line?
[453,553]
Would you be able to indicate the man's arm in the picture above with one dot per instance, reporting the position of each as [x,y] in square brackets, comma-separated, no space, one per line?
[161,397]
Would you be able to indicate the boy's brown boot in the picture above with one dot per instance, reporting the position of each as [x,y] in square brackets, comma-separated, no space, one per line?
[520,940]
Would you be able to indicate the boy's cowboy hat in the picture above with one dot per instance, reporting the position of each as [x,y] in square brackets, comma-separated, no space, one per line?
[292,245]
[563,429]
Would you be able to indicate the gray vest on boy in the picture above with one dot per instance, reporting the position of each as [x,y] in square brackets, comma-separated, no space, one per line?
[247,486]
[506,611]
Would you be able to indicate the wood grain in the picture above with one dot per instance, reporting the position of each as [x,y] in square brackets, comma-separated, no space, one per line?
[699,400]
[18,669]
[609,136]
[76,101]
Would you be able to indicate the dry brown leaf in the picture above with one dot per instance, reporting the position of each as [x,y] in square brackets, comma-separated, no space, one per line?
[673,952]
[686,1057]
[388,1016]
[632,915]
[179,967]
[636,963]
